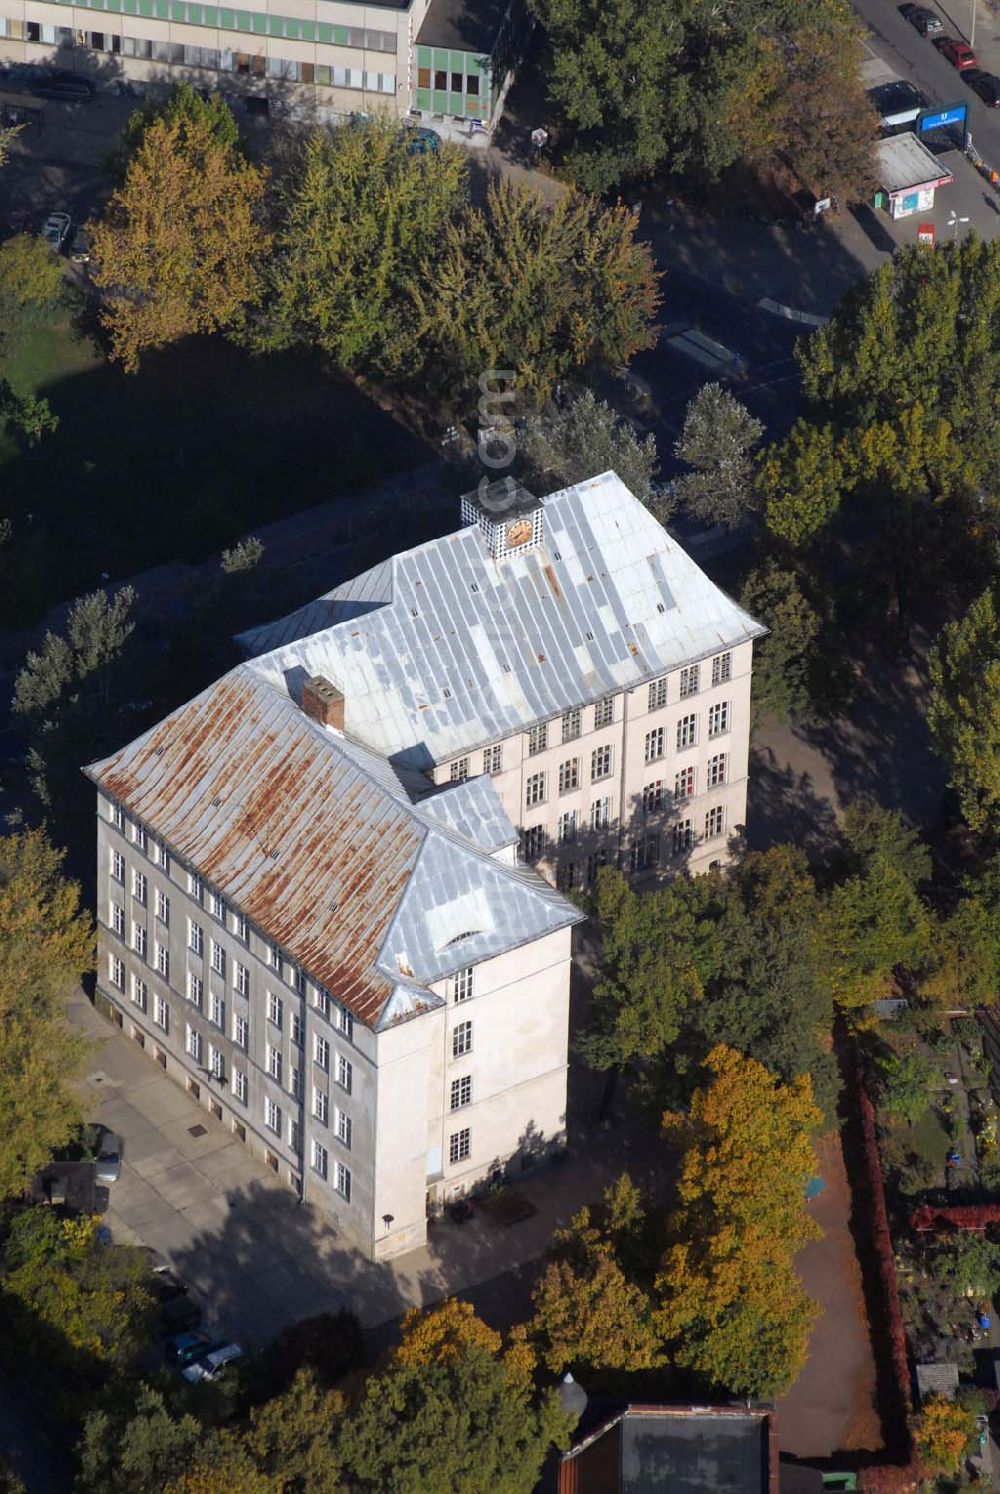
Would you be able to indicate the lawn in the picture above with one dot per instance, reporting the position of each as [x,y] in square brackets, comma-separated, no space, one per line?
[176,461]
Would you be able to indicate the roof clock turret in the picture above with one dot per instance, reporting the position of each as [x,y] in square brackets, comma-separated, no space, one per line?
[509,516]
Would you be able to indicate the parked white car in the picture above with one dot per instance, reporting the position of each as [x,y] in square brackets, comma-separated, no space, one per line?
[55,230]
[212,1366]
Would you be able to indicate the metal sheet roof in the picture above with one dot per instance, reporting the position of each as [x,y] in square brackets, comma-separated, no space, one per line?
[465,650]
[333,864]
[904,163]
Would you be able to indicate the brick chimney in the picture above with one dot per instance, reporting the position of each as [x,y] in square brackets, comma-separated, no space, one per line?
[323,702]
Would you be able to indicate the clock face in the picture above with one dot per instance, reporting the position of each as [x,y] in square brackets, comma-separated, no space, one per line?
[518,533]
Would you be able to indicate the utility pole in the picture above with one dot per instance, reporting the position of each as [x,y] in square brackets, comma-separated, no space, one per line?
[972,32]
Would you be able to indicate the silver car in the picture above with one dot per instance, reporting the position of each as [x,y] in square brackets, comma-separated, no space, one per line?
[213,1364]
[55,230]
[108,1168]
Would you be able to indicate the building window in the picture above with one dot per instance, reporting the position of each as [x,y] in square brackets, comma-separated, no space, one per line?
[117,816]
[196,938]
[345,1073]
[161,855]
[654,744]
[604,712]
[493,759]
[139,887]
[298,980]
[569,775]
[652,796]
[139,993]
[689,680]
[321,1105]
[240,1085]
[118,867]
[532,843]
[715,821]
[601,763]
[571,725]
[294,1135]
[684,782]
[459,770]
[342,1181]
[241,928]
[216,1009]
[716,770]
[139,836]
[163,960]
[274,956]
[139,939]
[534,792]
[538,738]
[163,907]
[193,1043]
[196,887]
[161,1013]
[687,732]
[241,978]
[274,1062]
[683,833]
[345,1128]
[461,1039]
[118,920]
[321,1051]
[600,814]
[216,1063]
[345,1023]
[722,669]
[116,972]
[320,1158]
[594,864]
[217,906]
[460,1145]
[272,1115]
[195,989]
[463,983]
[461,1092]
[296,1085]
[658,693]
[321,1001]
[566,830]
[218,959]
[275,1009]
[566,876]
[241,1031]
[295,1028]
[645,853]
[718,719]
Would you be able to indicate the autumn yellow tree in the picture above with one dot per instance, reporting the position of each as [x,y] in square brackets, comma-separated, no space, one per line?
[943,1434]
[179,247]
[731,1304]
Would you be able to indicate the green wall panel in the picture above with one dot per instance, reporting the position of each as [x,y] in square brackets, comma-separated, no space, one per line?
[423,98]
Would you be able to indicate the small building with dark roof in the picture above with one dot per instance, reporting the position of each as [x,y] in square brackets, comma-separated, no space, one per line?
[675,1450]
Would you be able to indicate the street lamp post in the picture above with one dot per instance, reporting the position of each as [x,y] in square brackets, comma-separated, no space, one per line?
[953,221]
[972,30]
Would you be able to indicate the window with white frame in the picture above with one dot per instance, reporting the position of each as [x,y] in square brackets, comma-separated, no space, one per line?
[218,959]
[192,1042]
[294,1134]
[163,960]
[274,1062]
[345,1023]
[118,866]
[716,772]
[652,796]
[493,759]
[460,1145]
[345,1073]
[274,956]
[196,887]
[117,816]
[534,790]
[569,775]
[342,1181]
[196,938]
[139,886]
[571,725]
[321,1001]
[566,827]
[683,835]
[321,1105]
[116,972]
[272,1115]
[601,763]
[600,814]
[463,983]
[161,1013]
[658,693]
[320,1158]
[715,822]
[321,1051]
[295,1083]
[538,738]
[645,853]
[140,993]
[459,770]
[275,1009]
[139,836]
[461,1092]
[241,928]
[594,864]
[722,668]
[161,855]
[689,681]
[345,1128]
[654,744]
[195,989]
[687,732]
[604,712]
[297,978]
[216,1062]
[118,920]
[162,907]
[296,1030]
[217,906]
[532,843]
[461,1039]
[718,718]
[216,1009]
[241,978]
[139,939]
[241,1031]
[684,783]
[240,1085]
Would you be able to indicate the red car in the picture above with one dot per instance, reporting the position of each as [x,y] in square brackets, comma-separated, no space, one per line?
[958,53]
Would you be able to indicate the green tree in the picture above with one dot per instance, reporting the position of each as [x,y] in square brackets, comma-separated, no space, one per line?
[786,661]
[46,943]
[31,279]
[964,708]
[183,104]
[716,442]
[179,247]
[801,481]
[541,290]
[905,1085]
[871,830]
[872,923]
[137,1447]
[580,439]
[359,217]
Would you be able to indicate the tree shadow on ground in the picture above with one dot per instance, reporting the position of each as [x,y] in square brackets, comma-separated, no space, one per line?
[785,804]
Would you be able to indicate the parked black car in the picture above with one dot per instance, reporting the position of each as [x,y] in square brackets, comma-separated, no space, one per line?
[987,86]
[927,22]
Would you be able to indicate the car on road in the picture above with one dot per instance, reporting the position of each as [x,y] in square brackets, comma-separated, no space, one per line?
[184,1348]
[925,21]
[212,1365]
[108,1167]
[958,53]
[55,231]
[987,86]
[897,103]
[79,249]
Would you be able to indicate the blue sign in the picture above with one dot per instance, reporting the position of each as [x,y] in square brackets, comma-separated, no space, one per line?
[954,114]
